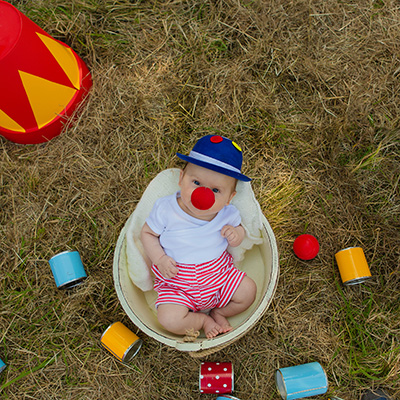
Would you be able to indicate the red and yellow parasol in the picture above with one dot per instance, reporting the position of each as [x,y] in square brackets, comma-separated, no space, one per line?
[42,80]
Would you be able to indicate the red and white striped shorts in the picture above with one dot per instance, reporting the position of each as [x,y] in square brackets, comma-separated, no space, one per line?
[200,286]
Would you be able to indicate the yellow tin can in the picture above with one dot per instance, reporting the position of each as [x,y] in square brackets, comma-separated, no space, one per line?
[352,265]
[121,342]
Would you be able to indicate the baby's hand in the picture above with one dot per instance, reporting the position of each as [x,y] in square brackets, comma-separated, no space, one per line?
[167,266]
[233,235]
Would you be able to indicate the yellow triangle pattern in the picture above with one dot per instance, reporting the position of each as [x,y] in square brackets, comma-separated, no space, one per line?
[47,98]
[8,123]
[65,57]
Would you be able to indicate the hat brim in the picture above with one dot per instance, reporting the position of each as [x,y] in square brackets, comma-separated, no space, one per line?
[215,168]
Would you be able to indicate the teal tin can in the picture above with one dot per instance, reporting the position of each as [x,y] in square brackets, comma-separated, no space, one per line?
[226,397]
[301,381]
[68,269]
[3,365]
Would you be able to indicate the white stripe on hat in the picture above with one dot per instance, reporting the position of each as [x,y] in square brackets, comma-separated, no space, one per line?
[214,161]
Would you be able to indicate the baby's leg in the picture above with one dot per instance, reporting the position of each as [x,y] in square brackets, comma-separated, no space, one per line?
[241,300]
[178,319]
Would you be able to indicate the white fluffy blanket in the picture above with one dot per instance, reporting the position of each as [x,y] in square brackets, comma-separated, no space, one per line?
[164,184]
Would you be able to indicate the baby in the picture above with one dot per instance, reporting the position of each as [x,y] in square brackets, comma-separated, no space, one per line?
[186,238]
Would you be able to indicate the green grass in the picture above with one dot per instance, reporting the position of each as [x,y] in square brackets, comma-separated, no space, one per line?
[28,372]
[309,90]
[365,333]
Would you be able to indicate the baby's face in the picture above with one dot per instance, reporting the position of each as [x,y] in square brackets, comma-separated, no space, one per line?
[193,177]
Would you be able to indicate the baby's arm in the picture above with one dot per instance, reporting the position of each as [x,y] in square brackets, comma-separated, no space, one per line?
[234,235]
[154,250]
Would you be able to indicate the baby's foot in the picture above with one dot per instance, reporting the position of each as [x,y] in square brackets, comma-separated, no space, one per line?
[211,328]
[220,320]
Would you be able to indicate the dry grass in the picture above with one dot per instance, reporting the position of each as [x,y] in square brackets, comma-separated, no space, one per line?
[310,90]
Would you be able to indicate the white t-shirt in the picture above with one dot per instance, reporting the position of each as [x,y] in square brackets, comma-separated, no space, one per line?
[186,239]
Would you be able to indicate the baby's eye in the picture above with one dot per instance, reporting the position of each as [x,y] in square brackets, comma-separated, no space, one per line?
[215,190]
[197,183]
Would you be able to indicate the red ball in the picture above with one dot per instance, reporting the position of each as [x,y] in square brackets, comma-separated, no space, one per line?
[306,247]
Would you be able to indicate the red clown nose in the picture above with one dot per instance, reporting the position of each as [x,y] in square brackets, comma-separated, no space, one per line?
[203,198]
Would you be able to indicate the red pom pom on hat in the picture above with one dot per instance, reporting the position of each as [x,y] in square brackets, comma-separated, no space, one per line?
[216,139]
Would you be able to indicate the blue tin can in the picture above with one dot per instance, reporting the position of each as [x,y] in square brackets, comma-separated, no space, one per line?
[376,394]
[67,268]
[2,365]
[226,397]
[301,381]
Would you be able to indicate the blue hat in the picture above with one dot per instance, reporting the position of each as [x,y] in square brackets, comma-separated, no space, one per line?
[219,154]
